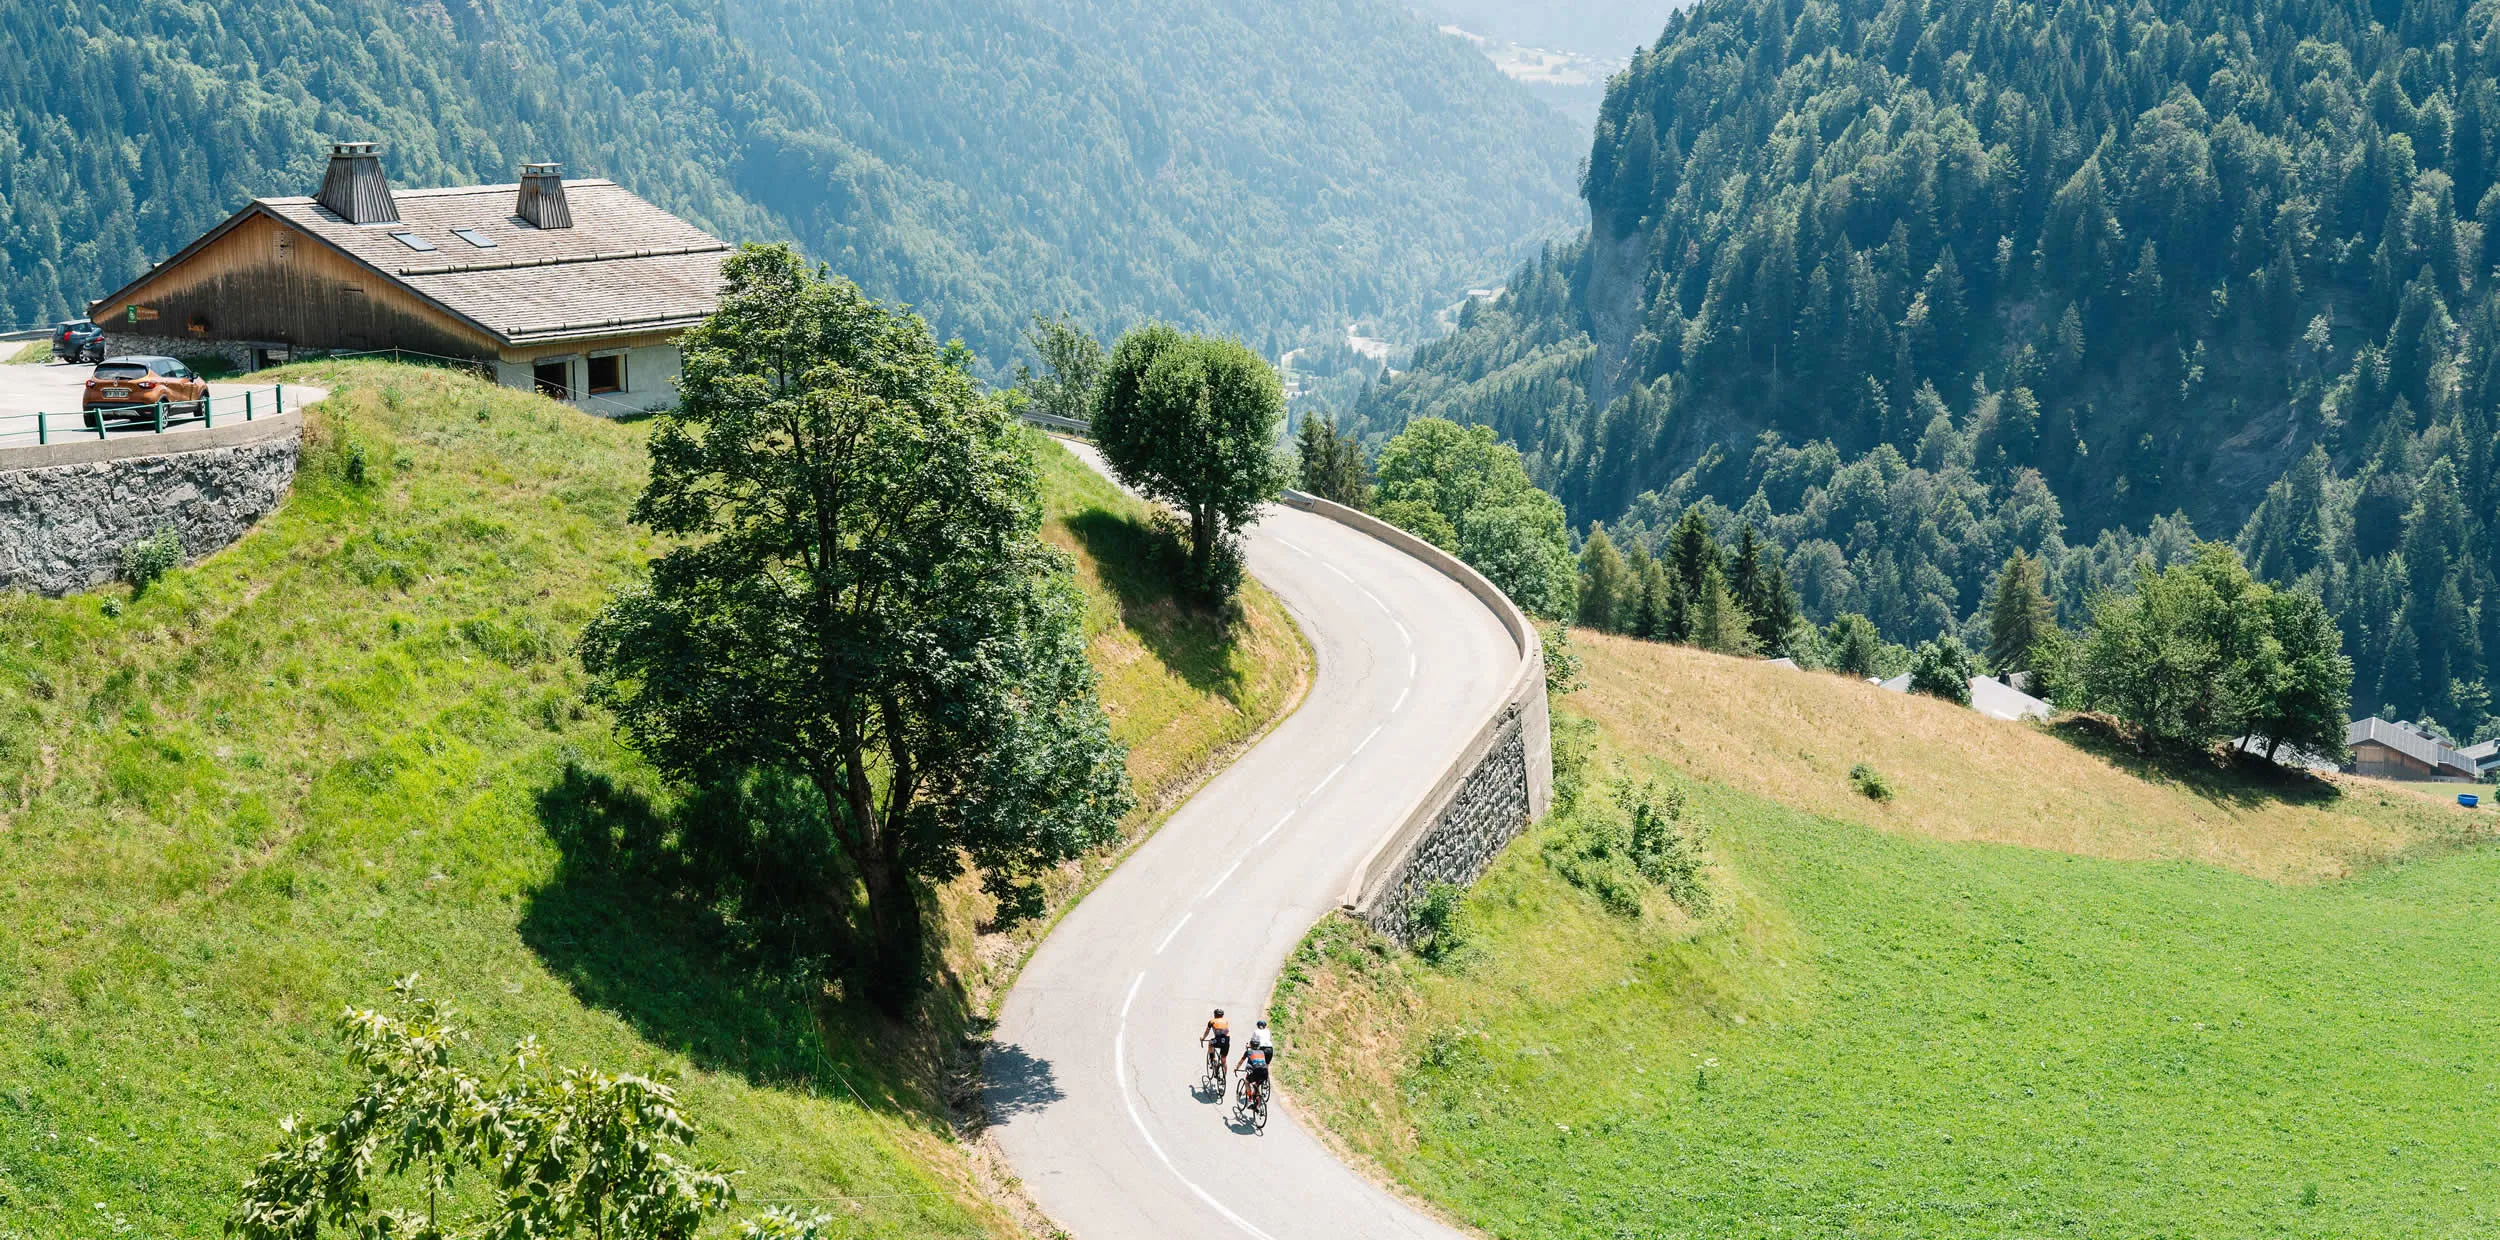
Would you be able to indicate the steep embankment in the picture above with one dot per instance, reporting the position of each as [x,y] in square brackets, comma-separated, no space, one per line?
[1899,1020]
[348,748]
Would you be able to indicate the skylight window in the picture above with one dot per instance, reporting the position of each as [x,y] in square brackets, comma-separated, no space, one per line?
[412,241]
[474,237]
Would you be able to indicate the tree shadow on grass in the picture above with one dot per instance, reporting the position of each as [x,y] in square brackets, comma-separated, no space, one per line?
[2228,777]
[620,927]
[1141,564]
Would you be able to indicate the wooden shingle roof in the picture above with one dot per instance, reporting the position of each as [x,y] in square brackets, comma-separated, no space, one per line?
[624,267]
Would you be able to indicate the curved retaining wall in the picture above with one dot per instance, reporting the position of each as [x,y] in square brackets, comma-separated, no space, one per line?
[1500,783]
[68,509]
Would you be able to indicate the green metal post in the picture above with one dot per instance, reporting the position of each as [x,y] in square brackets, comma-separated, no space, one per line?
[42,433]
[247,406]
[160,417]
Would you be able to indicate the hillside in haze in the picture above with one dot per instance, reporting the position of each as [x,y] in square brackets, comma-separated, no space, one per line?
[1909,284]
[1612,28]
[1266,172]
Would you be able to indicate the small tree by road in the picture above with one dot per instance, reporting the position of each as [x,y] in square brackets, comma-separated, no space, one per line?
[861,597]
[1192,422]
[580,1152]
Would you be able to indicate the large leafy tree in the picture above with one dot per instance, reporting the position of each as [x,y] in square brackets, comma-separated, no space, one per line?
[861,597]
[1192,422]
[1460,489]
[1609,589]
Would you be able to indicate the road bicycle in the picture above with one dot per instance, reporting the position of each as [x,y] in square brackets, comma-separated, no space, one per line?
[1250,1101]
[1211,1079]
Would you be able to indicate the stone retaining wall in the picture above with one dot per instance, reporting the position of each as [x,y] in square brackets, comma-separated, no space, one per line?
[67,510]
[1502,781]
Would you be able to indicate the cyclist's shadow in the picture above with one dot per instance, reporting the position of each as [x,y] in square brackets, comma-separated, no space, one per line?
[1211,1092]
[1238,1123]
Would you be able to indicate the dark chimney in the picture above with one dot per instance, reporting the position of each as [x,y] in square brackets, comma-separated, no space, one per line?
[354,187]
[542,196]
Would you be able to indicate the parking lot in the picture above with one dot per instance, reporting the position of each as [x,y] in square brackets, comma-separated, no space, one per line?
[57,390]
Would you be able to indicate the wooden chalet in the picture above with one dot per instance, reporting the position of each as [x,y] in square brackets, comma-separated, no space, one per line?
[2401,751]
[577,288]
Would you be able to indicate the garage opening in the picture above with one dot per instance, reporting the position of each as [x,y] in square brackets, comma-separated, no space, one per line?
[552,379]
[607,374]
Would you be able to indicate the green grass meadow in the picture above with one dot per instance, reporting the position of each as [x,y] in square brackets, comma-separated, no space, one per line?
[1881,1035]
[333,755]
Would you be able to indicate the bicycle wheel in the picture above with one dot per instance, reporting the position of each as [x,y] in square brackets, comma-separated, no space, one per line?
[1258,1118]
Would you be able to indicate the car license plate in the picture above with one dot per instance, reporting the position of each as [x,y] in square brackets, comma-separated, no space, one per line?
[116,393]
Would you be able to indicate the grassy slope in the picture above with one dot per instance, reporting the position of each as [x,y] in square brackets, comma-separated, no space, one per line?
[322,758]
[1895,1028]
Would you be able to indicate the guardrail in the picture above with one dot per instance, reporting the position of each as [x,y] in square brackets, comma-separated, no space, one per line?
[1053,422]
[1387,881]
[48,427]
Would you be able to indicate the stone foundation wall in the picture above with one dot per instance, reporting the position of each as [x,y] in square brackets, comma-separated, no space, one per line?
[67,510]
[1488,811]
[231,354]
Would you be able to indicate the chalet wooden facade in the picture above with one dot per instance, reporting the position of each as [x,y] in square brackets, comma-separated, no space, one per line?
[578,288]
[2400,751]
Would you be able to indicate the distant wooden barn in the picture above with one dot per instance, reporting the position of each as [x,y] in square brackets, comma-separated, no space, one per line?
[577,288]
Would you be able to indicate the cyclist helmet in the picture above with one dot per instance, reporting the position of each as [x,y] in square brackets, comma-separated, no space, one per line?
[1220,1012]
[1262,1024]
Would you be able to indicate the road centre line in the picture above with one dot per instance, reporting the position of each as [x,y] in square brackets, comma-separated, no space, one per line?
[1271,831]
[1401,702]
[1175,933]
[1375,734]
[1220,880]
[1128,1098]
[1294,547]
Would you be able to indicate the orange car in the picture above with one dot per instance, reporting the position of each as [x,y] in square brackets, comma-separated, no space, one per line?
[144,389]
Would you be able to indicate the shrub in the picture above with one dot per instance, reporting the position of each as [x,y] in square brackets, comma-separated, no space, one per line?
[1942,668]
[1870,782]
[150,558]
[1441,924]
[1619,855]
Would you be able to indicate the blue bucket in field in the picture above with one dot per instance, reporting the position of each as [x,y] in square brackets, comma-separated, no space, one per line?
[2468,800]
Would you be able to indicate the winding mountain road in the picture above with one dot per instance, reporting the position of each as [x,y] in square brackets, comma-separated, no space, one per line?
[1093,1078]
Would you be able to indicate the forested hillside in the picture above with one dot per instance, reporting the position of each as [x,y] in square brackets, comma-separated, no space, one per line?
[1265,172]
[1913,283]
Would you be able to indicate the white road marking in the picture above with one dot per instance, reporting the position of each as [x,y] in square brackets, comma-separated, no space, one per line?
[1375,734]
[1341,573]
[1403,635]
[1220,880]
[1176,932]
[1332,775]
[1280,825]
[1290,546]
[1410,665]
[1119,1081]
[1401,703]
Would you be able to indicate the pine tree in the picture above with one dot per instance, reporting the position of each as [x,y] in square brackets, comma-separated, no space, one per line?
[1719,622]
[1654,617]
[1608,590]
[1691,553]
[2020,614]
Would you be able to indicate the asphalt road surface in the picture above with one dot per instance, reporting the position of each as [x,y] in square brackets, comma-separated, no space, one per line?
[1093,1081]
[58,389]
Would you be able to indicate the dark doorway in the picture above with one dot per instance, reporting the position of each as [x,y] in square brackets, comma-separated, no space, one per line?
[553,379]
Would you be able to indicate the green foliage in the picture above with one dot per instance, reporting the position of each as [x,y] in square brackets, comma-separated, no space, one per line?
[1190,421]
[567,1154]
[1853,646]
[862,602]
[1241,172]
[1870,782]
[1331,465]
[1459,489]
[1941,668]
[1442,928]
[1609,592]
[2203,653]
[145,560]
[2019,616]
[1915,287]
[1072,363]
[1627,840]
[1563,665]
